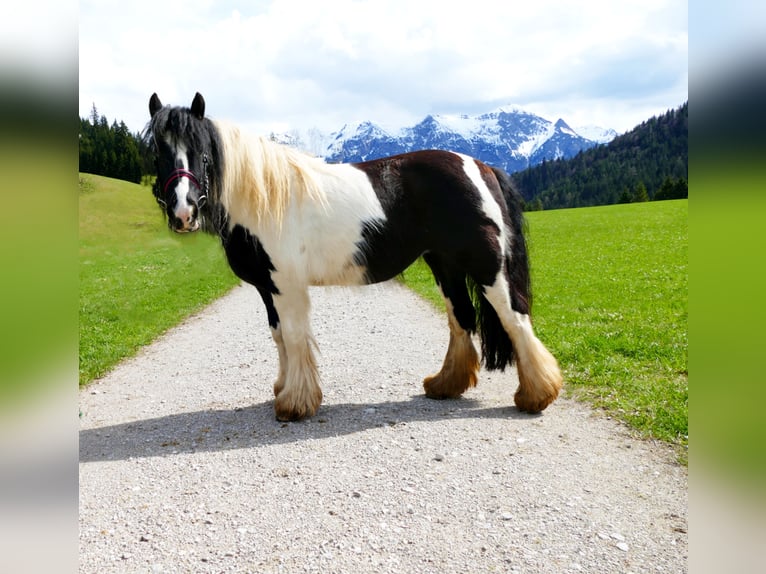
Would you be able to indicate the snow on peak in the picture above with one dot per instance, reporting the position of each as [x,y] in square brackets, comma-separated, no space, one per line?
[562,126]
[596,133]
[536,139]
[509,109]
[465,126]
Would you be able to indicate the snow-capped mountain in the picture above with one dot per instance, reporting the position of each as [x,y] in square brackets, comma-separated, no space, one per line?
[510,138]
[362,142]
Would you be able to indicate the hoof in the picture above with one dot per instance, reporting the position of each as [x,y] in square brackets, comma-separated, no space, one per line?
[439,387]
[459,372]
[291,416]
[540,379]
[289,407]
[534,397]
[532,405]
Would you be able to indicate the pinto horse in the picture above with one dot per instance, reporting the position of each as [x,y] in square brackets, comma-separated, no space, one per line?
[288,220]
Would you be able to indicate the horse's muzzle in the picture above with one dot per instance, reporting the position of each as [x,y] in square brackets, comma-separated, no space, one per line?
[181,227]
[185,220]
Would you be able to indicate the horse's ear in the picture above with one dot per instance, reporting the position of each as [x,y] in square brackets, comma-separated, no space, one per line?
[155,104]
[198,106]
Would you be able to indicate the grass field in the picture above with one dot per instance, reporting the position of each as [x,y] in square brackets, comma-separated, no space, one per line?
[610,301]
[137,278]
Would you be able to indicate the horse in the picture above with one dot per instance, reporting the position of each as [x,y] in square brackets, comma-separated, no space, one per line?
[288,221]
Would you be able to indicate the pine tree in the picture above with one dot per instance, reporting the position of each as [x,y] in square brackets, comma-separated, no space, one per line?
[94,115]
[665,191]
[640,194]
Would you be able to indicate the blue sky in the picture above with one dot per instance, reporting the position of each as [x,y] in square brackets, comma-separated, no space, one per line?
[280,65]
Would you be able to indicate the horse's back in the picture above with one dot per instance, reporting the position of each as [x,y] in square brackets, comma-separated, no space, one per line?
[434,201]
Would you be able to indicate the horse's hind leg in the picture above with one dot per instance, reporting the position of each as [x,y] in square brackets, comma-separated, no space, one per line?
[297,390]
[460,369]
[461,364]
[539,375]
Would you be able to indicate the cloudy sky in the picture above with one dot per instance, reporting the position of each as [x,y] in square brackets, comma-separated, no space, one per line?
[275,65]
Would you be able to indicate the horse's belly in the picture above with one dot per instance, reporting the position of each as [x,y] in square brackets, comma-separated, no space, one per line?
[337,273]
[324,257]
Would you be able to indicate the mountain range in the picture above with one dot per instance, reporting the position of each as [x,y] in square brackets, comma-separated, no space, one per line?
[508,137]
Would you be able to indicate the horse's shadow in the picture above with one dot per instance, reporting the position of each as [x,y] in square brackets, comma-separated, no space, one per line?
[255,426]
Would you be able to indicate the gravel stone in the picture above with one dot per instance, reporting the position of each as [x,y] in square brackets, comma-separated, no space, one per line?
[183,467]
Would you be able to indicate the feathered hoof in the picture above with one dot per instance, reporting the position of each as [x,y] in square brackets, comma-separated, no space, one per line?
[540,379]
[535,398]
[459,372]
[440,387]
[533,404]
[297,406]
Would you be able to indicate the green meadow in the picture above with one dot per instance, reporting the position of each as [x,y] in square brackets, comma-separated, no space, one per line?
[610,288]
[609,284]
[137,278]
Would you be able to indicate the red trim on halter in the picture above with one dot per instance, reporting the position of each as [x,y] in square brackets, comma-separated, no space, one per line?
[178,174]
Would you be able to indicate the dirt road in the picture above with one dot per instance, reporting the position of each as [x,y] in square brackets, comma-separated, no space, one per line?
[183,467]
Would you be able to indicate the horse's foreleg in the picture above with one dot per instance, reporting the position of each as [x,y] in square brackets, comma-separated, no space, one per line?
[297,390]
[540,379]
[276,334]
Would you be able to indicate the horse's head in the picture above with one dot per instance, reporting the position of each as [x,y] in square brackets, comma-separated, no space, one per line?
[183,142]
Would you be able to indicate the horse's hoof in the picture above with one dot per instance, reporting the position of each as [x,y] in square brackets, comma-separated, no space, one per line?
[452,385]
[533,403]
[290,408]
[289,417]
[436,388]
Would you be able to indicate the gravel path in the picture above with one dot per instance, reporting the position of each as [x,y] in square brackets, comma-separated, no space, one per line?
[183,467]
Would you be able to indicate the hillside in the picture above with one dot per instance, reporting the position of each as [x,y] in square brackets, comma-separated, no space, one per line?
[136,277]
[653,156]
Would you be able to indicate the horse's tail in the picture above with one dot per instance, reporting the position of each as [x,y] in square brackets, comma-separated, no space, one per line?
[516,258]
[496,346]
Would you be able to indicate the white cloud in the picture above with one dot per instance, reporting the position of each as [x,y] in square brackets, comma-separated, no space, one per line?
[303,64]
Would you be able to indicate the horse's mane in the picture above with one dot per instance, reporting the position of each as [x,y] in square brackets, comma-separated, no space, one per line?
[261,177]
[250,174]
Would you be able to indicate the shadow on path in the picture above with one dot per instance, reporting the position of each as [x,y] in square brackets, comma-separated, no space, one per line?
[255,426]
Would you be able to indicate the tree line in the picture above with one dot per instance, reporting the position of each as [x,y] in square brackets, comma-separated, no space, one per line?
[650,162]
[112,150]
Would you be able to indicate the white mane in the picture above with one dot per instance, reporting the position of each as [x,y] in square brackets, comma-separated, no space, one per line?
[261,177]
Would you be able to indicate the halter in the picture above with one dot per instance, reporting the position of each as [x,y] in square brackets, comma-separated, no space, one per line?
[181,173]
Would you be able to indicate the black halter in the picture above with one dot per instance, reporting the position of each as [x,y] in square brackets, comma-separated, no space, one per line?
[181,173]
